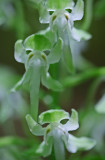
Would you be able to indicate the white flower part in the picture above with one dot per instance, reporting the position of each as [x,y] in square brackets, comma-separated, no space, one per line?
[73,144]
[79,35]
[78,10]
[72,123]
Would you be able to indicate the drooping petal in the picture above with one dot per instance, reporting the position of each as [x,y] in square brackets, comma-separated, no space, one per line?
[55,53]
[53,115]
[34,127]
[45,148]
[53,5]
[24,80]
[78,11]
[73,144]
[79,35]
[20,53]
[50,83]
[72,123]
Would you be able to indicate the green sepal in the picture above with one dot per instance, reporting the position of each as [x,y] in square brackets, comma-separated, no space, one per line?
[78,11]
[44,16]
[51,116]
[34,127]
[54,5]
[37,42]
[20,53]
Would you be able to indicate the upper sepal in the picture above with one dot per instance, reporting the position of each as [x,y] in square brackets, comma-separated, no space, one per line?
[20,52]
[53,115]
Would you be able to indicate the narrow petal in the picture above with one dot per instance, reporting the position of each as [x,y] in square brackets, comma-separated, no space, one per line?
[74,144]
[50,83]
[79,35]
[34,127]
[78,11]
[20,53]
[44,16]
[24,80]
[45,148]
[72,124]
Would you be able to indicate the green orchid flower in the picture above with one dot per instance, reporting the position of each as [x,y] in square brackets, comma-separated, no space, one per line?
[57,133]
[62,22]
[65,13]
[36,67]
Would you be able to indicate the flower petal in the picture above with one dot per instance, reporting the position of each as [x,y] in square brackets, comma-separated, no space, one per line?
[34,127]
[78,11]
[79,35]
[72,124]
[73,144]
[45,148]
[50,83]
[20,53]
[25,79]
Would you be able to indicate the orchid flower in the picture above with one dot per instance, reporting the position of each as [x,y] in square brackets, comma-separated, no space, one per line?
[65,13]
[36,67]
[57,134]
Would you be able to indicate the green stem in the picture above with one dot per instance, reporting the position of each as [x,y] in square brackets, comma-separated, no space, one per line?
[88,15]
[77,79]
